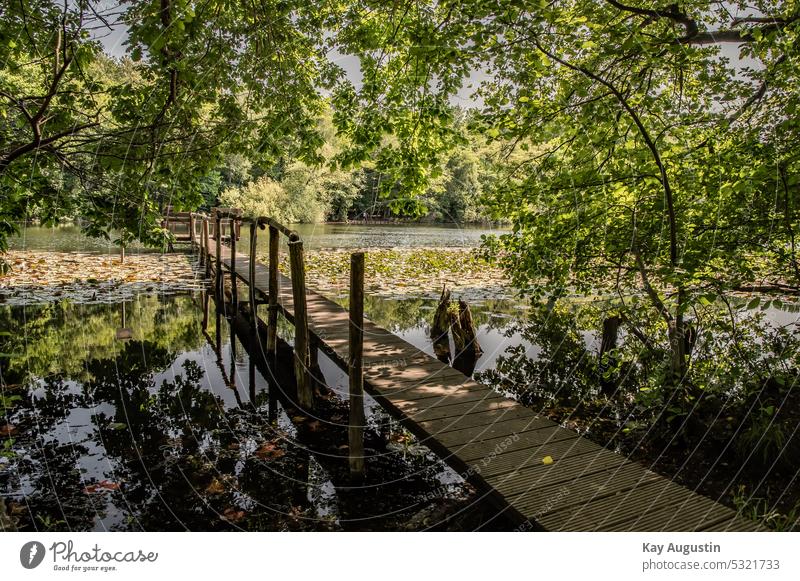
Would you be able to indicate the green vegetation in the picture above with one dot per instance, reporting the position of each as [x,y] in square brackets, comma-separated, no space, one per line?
[48,343]
[643,152]
[409,273]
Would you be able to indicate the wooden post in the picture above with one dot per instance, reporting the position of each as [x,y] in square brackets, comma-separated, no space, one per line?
[234,290]
[218,246]
[355,369]
[272,316]
[204,298]
[206,247]
[301,352]
[251,272]
[218,328]
[251,380]
[191,230]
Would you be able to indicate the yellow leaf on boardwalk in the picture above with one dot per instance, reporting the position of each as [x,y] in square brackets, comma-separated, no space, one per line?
[547,460]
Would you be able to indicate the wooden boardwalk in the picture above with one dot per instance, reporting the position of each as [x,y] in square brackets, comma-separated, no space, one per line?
[499,445]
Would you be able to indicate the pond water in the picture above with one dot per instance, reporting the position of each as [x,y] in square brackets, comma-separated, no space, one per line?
[144,416]
[148,416]
[69,237]
[392,235]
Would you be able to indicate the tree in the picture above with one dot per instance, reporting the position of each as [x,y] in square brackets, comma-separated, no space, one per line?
[262,197]
[136,133]
[655,163]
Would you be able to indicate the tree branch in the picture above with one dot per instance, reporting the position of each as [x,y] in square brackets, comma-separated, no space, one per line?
[673,228]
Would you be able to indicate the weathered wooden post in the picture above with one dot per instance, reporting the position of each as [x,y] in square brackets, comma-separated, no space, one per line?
[234,289]
[191,230]
[355,369]
[272,315]
[206,247]
[204,298]
[251,270]
[302,360]
[218,247]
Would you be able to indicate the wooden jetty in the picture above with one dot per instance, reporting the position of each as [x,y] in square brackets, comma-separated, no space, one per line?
[541,475]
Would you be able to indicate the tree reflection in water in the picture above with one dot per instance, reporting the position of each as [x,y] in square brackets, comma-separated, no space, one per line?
[152,433]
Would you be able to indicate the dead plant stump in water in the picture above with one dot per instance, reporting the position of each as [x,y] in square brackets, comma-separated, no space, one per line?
[440,329]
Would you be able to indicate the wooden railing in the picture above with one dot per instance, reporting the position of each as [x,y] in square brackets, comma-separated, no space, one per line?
[209,227]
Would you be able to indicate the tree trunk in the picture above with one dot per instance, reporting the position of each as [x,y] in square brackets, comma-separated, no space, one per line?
[677,343]
[440,328]
[459,336]
[608,342]
[472,346]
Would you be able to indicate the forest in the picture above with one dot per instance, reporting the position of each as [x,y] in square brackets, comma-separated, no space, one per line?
[639,159]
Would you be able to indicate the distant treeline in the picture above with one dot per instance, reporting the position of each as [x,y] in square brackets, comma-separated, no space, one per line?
[295,192]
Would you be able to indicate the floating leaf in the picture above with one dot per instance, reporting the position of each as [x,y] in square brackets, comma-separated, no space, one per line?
[102,486]
[8,430]
[216,487]
[232,515]
[269,451]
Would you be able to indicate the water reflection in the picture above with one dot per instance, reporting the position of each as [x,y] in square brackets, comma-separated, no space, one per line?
[169,425]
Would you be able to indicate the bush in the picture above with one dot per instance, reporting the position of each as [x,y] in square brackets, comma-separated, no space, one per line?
[262,197]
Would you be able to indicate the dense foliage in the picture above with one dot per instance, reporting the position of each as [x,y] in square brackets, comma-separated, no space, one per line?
[644,148]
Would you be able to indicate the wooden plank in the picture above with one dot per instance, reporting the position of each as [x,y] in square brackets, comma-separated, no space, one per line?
[483,413]
[543,430]
[395,372]
[570,465]
[541,500]
[690,514]
[531,446]
[408,396]
[616,511]
[518,454]
[458,410]
[604,512]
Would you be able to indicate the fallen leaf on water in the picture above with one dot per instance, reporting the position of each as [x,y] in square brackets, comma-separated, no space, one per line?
[216,487]
[269,451]
[232,515]
[547,460]
[101,486]
[8,430]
